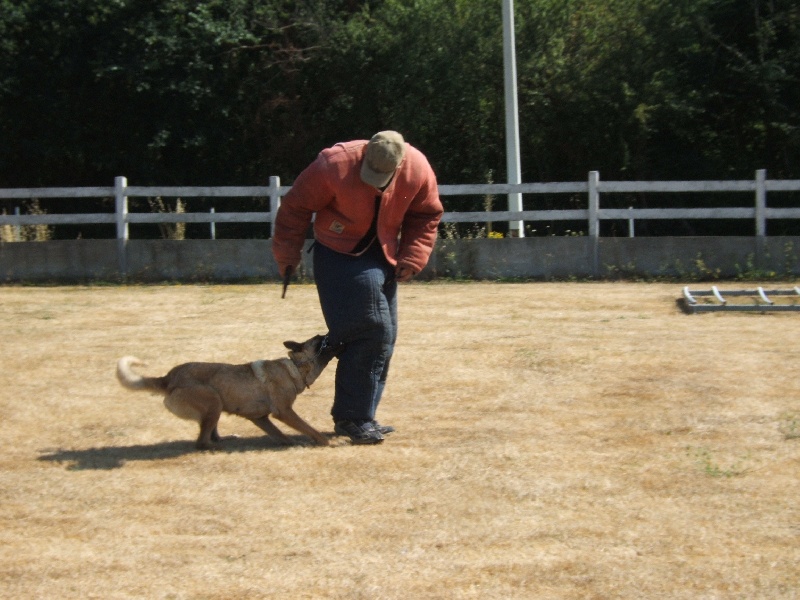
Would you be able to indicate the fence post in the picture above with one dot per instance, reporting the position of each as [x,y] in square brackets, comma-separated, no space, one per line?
[274,200]
[17,227]
[761,217]
[594,203]
[761,203]
[631,232]
[594,222]
[213,225]
[121,210]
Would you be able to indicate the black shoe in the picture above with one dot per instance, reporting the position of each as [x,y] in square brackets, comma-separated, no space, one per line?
[384,429]
[359,433]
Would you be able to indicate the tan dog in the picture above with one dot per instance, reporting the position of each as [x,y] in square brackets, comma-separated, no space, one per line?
[202,391]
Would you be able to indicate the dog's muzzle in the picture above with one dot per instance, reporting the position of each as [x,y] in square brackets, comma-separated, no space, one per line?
[326,348]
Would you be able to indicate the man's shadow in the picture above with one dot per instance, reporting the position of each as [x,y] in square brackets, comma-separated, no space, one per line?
[114,457]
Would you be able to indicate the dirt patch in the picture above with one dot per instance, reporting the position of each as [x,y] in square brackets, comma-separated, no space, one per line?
[554,441]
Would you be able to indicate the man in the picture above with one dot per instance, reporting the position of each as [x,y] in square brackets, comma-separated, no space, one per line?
[377,212]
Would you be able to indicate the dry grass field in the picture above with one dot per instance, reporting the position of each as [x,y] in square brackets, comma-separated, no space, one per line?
[555,440]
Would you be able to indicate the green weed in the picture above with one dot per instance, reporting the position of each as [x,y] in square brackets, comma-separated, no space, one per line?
[713,469]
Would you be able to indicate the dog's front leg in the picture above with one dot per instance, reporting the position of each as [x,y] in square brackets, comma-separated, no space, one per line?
[269,427]
[293,420]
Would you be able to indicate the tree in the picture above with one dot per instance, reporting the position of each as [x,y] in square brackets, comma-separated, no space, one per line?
[232,91]
[164,92]
[660,89]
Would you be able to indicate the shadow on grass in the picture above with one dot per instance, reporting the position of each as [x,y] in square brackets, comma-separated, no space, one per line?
[114,457]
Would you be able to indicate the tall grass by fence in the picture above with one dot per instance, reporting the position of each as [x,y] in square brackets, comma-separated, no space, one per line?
[592,189]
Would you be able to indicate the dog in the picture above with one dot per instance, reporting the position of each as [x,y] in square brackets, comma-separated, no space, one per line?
[201,391]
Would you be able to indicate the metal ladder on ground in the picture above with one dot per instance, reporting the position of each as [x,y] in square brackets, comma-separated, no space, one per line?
[759,300]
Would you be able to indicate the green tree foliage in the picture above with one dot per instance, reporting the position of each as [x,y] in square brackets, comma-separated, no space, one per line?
[660,88]
[162,91]
[231,91]
[750,68]
[432,70]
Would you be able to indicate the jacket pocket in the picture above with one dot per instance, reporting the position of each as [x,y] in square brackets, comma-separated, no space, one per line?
[333,222]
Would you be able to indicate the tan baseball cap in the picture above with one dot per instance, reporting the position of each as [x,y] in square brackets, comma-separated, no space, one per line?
[384,153]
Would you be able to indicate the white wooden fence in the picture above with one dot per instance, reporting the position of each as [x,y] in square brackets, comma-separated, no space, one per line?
[593,188]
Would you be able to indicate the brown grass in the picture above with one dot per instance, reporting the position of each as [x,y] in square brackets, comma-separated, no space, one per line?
[554,441]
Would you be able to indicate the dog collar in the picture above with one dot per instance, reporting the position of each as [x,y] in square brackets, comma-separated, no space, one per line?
[297,377]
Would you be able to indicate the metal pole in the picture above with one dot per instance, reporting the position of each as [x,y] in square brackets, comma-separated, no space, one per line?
[213,227]
[515,228]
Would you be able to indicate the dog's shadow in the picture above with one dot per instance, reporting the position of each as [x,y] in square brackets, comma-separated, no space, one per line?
[114,457]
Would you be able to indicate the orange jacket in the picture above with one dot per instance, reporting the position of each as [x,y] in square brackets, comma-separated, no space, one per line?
[332,188]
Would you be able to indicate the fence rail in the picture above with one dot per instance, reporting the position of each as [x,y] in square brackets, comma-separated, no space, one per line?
[593,188]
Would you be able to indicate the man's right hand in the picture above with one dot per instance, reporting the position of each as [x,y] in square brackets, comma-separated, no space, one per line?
[287,277]
[403,274]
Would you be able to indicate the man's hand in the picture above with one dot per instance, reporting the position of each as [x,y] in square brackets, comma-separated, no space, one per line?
[402,274]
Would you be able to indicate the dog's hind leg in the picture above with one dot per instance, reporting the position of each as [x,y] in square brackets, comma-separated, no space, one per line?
[208,428]
[293,420]
[269,427]
[201,404]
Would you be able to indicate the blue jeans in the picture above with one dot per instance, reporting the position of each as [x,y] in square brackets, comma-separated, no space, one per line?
[358,296]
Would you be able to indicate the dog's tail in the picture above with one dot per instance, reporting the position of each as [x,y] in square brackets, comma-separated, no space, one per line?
[134,381]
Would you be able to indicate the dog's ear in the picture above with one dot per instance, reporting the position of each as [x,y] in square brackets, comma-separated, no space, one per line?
[293,346]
